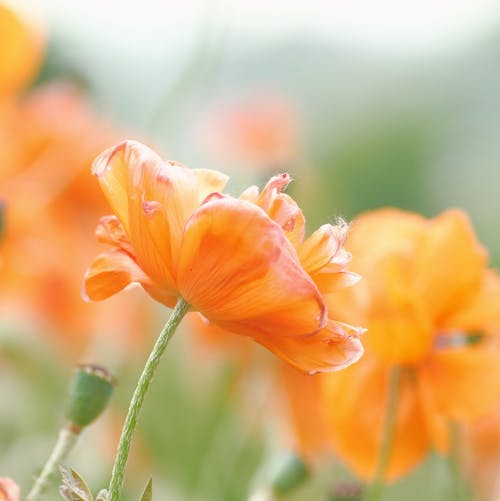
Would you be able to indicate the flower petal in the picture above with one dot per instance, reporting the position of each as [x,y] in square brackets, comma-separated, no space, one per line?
[463,382]
[449,264]
[333,348]
[389,232]
[332,282]
[322,246]
[111,272]
[111,169]
[153,200]
[110,231]
[280,207]
[482,312]
[247,281]
[400,330]
[303,398]
[356,404]
[209,181]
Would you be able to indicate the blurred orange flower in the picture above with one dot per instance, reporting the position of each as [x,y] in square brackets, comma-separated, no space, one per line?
[9,490]
[261,132]
[481,455]
[426,295]
[21,46]
[178,236]
[48,138]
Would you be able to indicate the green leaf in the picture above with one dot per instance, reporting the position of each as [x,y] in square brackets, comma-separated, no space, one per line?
[147,495]
[74,487]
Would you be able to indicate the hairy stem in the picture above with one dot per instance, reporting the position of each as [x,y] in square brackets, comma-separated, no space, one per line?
[115,485]
[65,442]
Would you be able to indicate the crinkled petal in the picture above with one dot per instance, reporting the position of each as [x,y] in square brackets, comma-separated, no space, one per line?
[110,231]
[247,281]
[153,200]
[111,272]
[111,170]
[449,264]
[271,190]
[333,348]
[322,246]
[355,402]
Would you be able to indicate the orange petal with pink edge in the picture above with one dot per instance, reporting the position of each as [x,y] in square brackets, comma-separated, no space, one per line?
[111,272]
[449,264]
[111,170]
[463,382]
[153,200]
[110,231]
[322,246]
[280,207]
[21,47]
[272,189]
[247,281]
[333,348]
[355,402]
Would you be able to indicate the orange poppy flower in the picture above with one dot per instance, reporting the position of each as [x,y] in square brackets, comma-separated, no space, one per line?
[178,236]
[426,289]
[9,490]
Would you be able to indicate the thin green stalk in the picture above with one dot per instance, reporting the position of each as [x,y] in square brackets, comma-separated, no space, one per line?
[115,485]
[376,488]
[65,442]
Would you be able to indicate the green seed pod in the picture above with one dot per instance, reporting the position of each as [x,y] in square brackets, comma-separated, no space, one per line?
[89,392]
[287,473]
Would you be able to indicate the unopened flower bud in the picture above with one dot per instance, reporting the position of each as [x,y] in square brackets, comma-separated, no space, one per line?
[89,393]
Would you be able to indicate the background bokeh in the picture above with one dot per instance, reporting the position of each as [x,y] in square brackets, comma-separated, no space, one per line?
[366,104]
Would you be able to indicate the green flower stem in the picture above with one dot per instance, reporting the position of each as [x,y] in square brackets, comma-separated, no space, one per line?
[376,488]
[66,440]
[115,484]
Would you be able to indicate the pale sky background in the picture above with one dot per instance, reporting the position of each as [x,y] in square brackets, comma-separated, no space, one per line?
[423,27]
